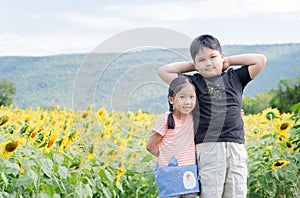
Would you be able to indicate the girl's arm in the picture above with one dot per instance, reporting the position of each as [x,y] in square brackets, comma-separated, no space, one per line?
[152,144]
[256,62]
[169,72]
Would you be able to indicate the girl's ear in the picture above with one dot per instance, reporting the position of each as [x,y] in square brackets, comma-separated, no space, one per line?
[171,99]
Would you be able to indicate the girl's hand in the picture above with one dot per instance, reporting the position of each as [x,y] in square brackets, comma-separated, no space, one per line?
[226,64]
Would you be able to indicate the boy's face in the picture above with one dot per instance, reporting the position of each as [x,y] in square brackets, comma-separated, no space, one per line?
[209,62]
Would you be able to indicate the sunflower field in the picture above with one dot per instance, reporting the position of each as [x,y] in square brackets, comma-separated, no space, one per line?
[94,153]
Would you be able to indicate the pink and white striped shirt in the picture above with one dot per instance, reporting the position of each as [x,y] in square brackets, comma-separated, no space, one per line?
[178,142]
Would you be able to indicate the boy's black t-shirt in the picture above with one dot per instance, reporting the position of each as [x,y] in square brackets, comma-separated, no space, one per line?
[217,116]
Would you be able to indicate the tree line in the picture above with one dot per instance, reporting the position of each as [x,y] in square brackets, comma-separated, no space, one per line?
[286,95]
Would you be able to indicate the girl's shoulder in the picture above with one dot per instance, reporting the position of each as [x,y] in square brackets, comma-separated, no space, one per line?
[163,116]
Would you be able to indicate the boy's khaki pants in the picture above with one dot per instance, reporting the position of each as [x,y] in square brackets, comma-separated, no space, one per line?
[222,169]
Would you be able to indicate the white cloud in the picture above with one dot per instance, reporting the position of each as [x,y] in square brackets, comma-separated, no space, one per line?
[181,11]
[92,21]
[14,44]
[77,31]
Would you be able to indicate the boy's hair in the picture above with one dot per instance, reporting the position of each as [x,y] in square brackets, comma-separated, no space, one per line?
[175,86]
[202,41]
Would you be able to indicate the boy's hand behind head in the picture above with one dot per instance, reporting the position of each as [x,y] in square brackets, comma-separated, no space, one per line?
[226,64]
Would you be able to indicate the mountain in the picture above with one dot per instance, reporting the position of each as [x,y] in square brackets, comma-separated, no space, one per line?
[126,80]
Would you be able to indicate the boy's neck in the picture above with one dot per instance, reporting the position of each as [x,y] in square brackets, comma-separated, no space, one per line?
[213,79]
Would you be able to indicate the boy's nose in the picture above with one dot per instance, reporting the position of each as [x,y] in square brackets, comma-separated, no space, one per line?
[207,62]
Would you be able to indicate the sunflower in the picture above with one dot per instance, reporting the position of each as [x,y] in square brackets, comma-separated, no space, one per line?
[282,137]
[3,119]
[108,131]
[284,127]
[116,138]
[268,148]
[102,113]
[51,141]
[90,156]
[120,171]
[9,148]
[279,164]
[22,169]
[75,165]
[270,113]
[123,143]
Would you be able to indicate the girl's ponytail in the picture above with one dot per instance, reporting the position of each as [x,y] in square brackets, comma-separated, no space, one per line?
[171,122]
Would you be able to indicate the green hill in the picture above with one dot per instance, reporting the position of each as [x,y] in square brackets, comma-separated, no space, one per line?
[124,81]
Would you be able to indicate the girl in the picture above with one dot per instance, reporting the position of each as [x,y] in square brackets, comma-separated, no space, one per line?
[172,141]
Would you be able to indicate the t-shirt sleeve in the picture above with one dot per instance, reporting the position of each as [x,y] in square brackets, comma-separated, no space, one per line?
[160,125]
[244,75]
[186,75]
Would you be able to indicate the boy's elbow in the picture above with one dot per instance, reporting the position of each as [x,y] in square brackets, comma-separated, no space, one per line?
[263,60]
[160,72]
[166,75]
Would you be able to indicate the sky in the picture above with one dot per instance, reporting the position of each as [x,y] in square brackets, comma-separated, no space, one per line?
[49,27]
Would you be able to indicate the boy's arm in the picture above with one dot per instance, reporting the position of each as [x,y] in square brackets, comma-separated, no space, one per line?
[152,144]
[256,62]
[169,72]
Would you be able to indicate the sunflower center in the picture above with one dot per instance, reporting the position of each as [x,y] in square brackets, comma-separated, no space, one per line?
[84,115]
[284,126]
[10,147]
[278,163]
[50,143]
[270,115]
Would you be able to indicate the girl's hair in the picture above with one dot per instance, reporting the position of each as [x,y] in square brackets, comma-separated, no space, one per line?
[175,86]
[202,41]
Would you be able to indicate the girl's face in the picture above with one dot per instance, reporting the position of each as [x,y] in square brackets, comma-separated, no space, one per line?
[209,62]
[184,101]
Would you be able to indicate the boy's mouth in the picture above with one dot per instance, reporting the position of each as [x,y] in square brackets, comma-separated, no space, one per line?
[209,69]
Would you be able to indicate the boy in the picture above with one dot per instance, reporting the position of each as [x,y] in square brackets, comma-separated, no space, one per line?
[219,128]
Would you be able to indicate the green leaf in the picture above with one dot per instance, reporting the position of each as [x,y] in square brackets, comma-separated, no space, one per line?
[73,178]
[48,189]
[47,166]
[4,178]
[31,174]
[147,158]
[11,168]
[262,180]
[24,181]
[253,195]
[106,176]
[63,172]
[120,187]
[87,191]
[266,136]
